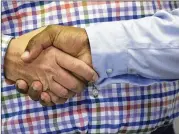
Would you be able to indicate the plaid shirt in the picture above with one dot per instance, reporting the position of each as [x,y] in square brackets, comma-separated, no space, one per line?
[118,108]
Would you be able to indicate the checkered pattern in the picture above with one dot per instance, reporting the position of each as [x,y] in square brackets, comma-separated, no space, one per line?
[119,108]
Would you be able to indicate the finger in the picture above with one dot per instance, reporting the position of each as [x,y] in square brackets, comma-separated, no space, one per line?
[58,90]
[68,81]
[71,94]
[35,90]
[36,45]
[45,99]
[77,66]
[55,99]
[46,104]
[80,78]
[21,86]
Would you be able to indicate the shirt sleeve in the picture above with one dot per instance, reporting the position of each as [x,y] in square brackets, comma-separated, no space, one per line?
[5,40]
[148,47]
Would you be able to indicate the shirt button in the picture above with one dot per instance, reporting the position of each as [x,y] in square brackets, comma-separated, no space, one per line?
[95,93]
[108,71]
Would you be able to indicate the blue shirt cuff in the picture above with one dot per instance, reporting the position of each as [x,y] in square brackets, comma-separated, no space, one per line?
[105,56]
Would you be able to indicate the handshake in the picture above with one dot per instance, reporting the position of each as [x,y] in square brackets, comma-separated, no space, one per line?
[51,64]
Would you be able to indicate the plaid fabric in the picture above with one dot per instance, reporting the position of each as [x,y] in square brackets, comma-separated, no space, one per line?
[119,108]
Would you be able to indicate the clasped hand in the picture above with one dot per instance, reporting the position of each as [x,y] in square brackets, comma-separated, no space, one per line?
[55,66]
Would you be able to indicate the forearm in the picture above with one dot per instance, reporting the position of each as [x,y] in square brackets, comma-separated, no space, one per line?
[147,47]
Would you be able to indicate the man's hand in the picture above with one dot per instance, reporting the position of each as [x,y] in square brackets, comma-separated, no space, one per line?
[81,72]
[48,68]
[71,40]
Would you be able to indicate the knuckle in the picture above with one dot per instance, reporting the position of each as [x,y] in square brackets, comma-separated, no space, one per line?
[73,64]
[50,27]
[47,68]
[52,30]
[31,43]
[42,66]
[77,65]
[32,40]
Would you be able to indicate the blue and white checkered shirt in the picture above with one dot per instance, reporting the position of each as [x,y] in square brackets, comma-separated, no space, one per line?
[113,108]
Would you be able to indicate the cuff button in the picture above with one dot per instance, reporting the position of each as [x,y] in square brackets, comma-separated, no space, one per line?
[108,71]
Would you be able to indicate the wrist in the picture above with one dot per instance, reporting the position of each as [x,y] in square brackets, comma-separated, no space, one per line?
[12,59]
[14,67]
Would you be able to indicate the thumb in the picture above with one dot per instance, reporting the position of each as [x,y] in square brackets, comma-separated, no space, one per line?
[36,45]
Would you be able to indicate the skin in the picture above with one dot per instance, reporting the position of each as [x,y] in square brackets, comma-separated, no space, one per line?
[55,66]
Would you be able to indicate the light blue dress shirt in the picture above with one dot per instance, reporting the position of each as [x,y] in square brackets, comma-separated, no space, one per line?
[142,52]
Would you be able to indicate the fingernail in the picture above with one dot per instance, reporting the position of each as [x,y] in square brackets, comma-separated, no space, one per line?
[95,77]
[20,90]
[25,55]
[35,87]
[42,97]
